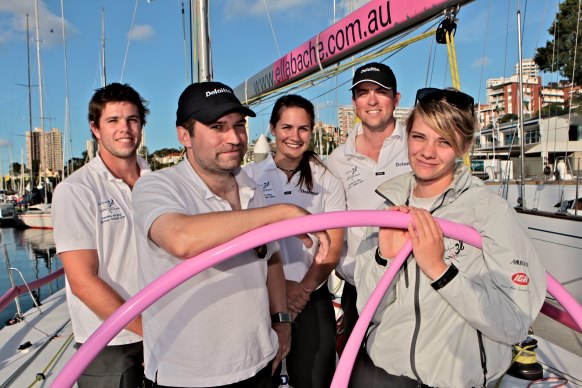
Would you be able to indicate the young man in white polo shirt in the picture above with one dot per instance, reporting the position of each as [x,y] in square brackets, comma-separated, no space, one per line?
[93,232]
[375,151]
[229,325]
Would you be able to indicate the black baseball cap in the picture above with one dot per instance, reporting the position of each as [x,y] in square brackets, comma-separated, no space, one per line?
[206,102]
[377,73]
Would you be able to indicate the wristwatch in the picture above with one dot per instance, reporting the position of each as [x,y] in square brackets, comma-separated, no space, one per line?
[281,318]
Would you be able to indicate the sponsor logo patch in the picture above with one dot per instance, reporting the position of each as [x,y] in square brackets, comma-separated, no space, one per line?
[520,279]
[518,262]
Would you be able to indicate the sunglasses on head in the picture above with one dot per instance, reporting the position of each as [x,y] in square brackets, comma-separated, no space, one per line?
[454,97]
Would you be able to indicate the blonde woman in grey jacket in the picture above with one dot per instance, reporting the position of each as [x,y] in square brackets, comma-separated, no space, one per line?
[453,311]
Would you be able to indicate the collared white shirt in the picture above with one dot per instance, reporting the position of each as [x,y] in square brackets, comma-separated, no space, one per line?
[215,328]
[92,209]
[360,177]
[326,195]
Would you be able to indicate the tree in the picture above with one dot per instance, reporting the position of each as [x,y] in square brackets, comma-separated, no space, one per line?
[551,110]
[15,168]
[507,118]
[558,54]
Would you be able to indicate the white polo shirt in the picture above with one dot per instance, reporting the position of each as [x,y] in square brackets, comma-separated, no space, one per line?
[91,209]
[326,195]
[360,177]
[215,328]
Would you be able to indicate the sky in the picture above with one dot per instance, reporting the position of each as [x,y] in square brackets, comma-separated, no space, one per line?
[145,47]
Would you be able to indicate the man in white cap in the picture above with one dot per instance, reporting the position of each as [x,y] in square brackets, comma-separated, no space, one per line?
[375,151]
[229,325]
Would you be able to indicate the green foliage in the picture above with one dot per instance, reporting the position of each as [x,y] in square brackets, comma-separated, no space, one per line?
[507,118]
[558,54]
[552,110]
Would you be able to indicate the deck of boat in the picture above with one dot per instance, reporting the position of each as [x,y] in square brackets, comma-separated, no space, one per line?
[51,345]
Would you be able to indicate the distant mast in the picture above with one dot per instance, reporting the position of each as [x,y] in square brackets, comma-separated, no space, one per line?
[521,199]
[103,71]
[29,104]
[42,161]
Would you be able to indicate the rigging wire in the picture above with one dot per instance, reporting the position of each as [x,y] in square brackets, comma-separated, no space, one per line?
[128,40]
[428,67]
[272,29]
[484,54]
[185,42]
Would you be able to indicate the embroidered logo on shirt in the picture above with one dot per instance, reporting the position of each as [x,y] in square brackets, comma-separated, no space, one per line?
[353,178]
[267,190]
[402,164]
[520,279]
[110,211]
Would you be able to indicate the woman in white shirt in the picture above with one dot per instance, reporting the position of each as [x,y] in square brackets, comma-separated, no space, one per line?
[294,174]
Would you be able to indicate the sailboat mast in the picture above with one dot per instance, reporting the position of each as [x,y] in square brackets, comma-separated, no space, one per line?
[68,136]
[103,71]
[41,136]
[520,110]
[203,39]
[29,104]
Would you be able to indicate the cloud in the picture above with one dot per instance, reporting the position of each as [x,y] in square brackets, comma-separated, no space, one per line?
[141,32]
[481,62]
[5,143]
[13,22]
[245,8]
[346,7]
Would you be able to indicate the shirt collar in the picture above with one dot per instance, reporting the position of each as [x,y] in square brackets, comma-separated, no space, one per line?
[246,186]
[398,133]
[100,166]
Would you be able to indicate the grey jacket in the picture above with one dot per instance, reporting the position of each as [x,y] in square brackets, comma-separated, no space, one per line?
[432,335]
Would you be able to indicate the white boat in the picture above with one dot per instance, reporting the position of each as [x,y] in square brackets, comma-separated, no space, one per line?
[37,216]
[51,345]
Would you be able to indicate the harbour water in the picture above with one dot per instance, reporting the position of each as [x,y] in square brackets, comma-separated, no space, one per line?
[33,253]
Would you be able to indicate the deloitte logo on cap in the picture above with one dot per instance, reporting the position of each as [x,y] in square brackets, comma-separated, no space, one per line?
[370,69]
[217,91]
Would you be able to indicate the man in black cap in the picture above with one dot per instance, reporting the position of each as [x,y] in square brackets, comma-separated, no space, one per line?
[375,150]
[229,325]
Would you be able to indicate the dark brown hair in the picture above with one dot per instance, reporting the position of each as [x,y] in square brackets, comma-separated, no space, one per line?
[116,92]
[296,101]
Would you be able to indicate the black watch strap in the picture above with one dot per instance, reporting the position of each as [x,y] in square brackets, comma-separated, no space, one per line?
[281,318]
[446,278]
[379,259]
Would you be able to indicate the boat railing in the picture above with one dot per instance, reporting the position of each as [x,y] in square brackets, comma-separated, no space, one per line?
[16,290]
[307,224]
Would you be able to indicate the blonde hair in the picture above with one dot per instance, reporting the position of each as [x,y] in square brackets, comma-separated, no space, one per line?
[447,120]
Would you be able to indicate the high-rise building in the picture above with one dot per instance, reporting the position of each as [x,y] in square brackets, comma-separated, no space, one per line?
[401,113]
[529,68]
[346,117]
[91,148]
[53,146]
[44,152]
[33,151]
[503,96]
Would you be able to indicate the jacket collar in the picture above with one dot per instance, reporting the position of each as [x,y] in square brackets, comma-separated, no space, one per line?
[397,190]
